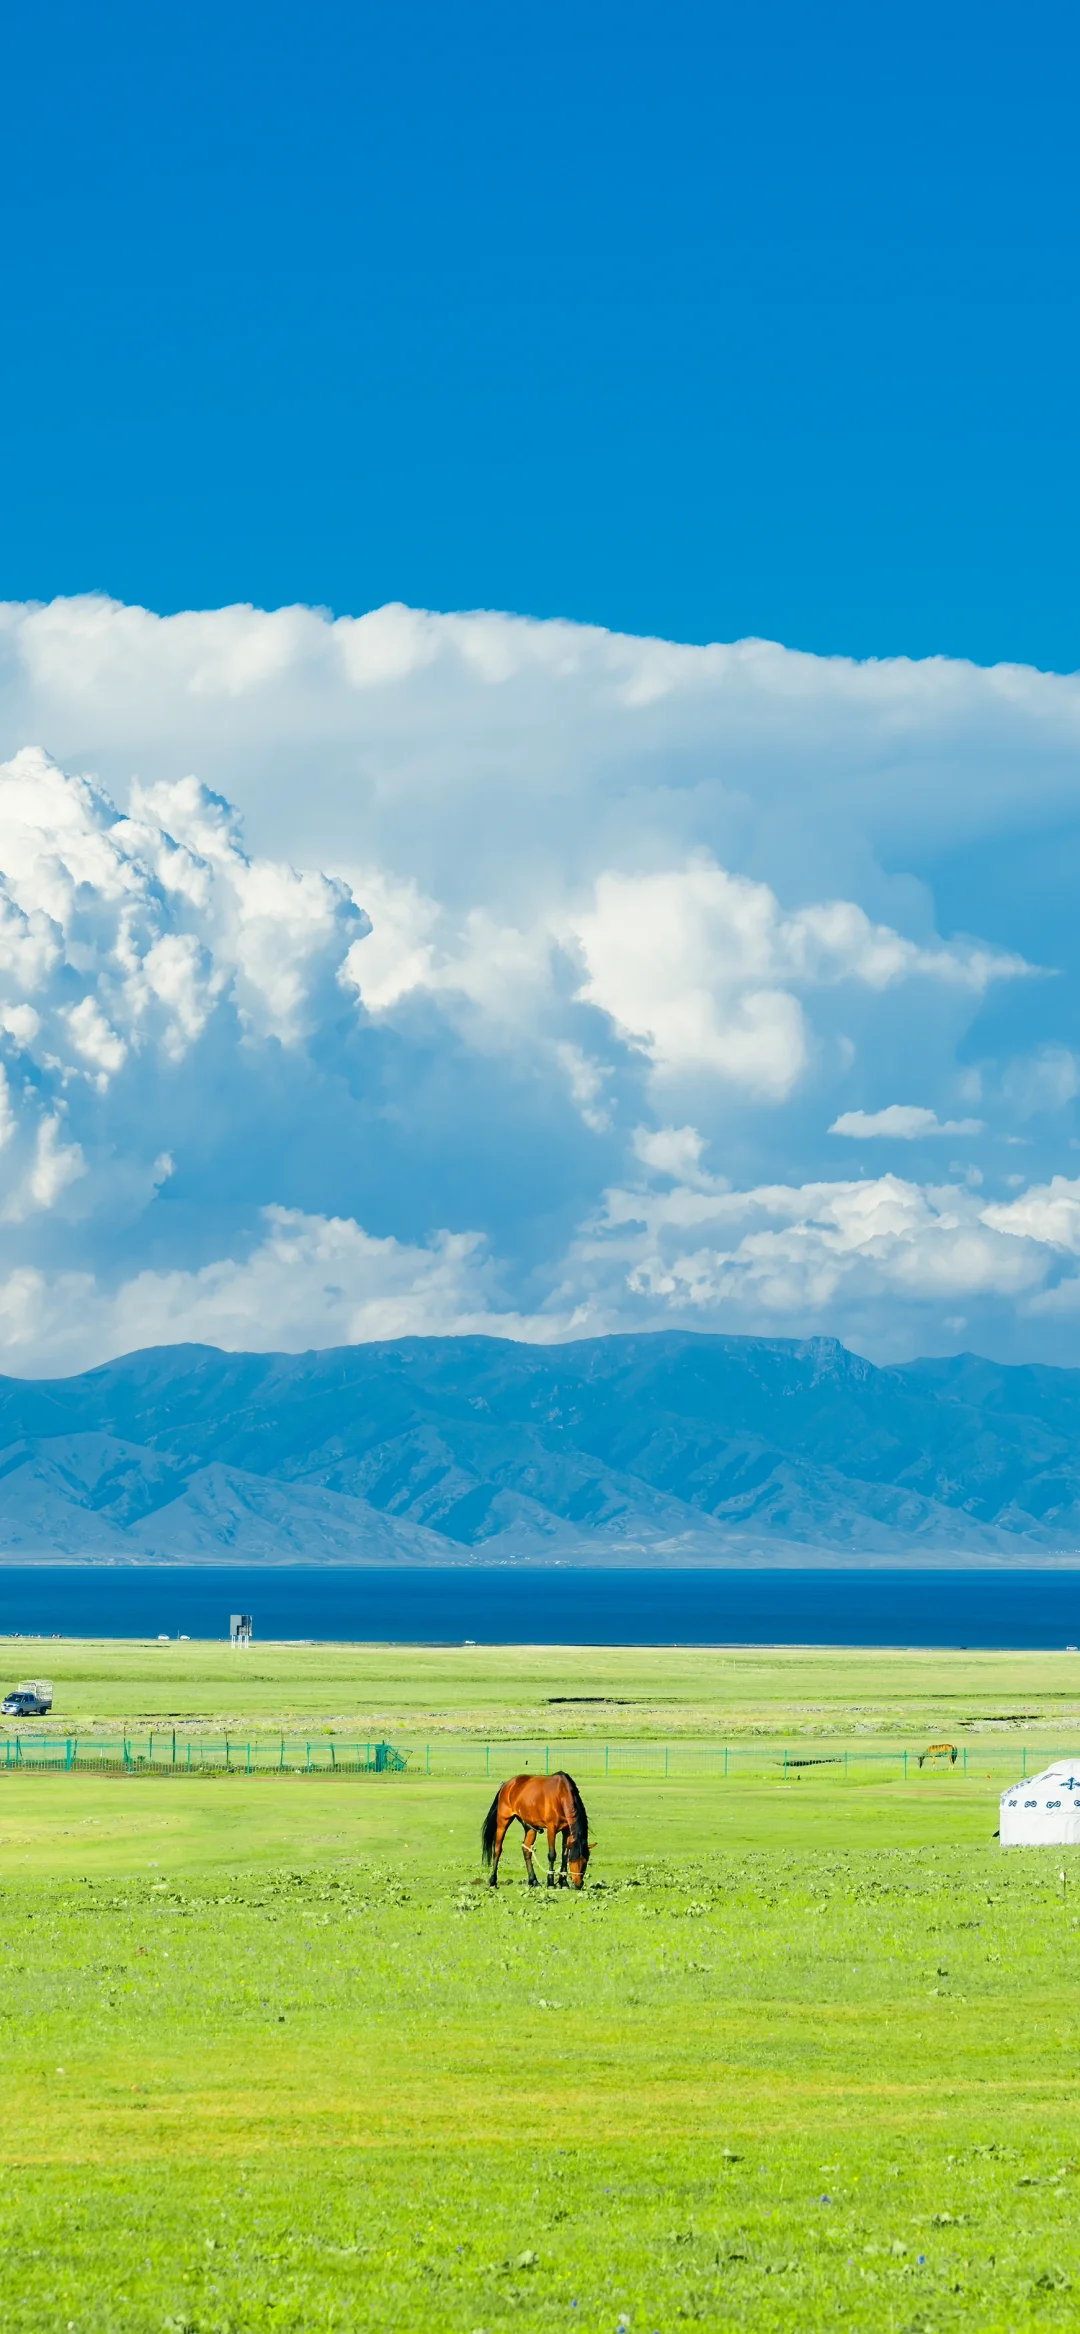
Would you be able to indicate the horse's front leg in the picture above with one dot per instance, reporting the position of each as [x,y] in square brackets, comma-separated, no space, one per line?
[563,1881]
[551,1854]
[530,1842]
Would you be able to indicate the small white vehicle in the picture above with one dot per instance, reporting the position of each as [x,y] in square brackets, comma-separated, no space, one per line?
[32,1699]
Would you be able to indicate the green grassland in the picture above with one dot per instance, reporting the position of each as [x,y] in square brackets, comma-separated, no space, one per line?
[804,2054]
[736,1693]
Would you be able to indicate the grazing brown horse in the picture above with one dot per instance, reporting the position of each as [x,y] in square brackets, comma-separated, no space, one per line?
[542,1803]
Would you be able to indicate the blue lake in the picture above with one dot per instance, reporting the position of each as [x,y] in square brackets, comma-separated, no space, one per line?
[497,1606]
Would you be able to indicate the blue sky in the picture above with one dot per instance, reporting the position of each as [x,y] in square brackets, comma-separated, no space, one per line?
[685,935]
[631,315]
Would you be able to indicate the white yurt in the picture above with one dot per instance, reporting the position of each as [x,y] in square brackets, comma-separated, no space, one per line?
[1044,1810]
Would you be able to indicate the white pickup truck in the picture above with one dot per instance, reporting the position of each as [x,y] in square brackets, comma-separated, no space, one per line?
[33,1699]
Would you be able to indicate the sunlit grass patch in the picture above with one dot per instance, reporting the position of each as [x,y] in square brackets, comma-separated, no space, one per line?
[801,2056]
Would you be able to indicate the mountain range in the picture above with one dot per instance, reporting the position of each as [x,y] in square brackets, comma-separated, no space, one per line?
[663,1449]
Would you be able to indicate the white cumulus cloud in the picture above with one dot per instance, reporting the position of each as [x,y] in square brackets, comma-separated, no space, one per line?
[904,1121]
[786,1256]
[699,967]
[1048,1212]
[347,964]
[308,1281]
[122,938]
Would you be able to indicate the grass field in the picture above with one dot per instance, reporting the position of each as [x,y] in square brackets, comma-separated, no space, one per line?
[803,2055]
[744,1692]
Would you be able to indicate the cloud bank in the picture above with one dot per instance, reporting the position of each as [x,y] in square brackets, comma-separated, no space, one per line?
[412,973]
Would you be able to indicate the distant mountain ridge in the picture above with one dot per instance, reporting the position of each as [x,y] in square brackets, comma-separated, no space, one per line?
[667,1448]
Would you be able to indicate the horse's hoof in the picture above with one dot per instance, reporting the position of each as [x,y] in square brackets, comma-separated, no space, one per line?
[564,1883]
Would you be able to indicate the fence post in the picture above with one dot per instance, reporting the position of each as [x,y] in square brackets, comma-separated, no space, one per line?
[189,1757]
[151,1750]
[725,1758]
[249,1758]
[281,1760]
[333,1760]
[174,1746]
[309,1754]
[427,1760]
[965,1758]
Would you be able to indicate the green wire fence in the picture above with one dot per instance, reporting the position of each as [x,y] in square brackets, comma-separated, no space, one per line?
[179,1753]
[668,1761]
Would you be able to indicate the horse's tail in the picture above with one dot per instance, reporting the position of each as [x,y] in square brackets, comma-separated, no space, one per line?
[490,1830]
[579,1837]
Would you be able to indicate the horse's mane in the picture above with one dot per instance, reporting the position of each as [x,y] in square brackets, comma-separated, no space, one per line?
[579,1838]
